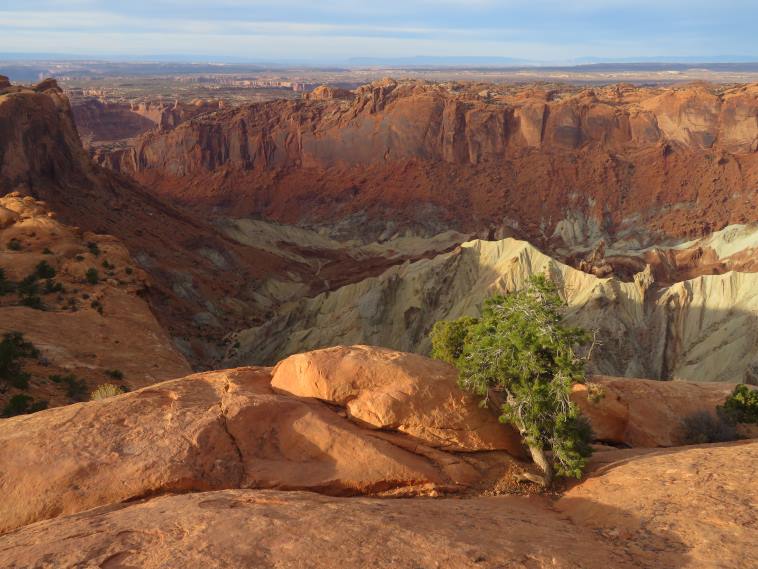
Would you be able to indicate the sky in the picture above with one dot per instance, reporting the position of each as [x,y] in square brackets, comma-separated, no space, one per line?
[322,31]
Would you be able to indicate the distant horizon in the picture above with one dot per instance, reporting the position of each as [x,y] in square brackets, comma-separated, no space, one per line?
[367,61]
[339,31]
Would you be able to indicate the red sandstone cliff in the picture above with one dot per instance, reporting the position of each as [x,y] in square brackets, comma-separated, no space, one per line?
[202,284]
[681,161]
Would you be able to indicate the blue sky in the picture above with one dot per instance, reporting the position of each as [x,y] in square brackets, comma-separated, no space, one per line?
[319,30]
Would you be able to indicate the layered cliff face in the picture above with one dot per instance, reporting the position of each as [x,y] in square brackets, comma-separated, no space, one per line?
[699,330]
[555,167]
[100,122]
[202,284]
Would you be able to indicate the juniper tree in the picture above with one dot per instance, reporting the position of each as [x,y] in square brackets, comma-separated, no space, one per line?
[521,359]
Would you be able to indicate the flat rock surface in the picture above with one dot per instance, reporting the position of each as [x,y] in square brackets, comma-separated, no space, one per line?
[689,507]
[684,507]
[243,528]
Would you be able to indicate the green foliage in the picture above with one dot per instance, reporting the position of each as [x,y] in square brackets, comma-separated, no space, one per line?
[33,301]
[520,351]
[76,389]
[115,374]
[28,286]
[28,290]
[595,392]
[92,276]
[93,248]
[14,245]
[702,427]
[51,286]
[13,348]
[5,285]
[448,338]
[742,405]
[108,266]
[22,405]
[106,390]
[43,270]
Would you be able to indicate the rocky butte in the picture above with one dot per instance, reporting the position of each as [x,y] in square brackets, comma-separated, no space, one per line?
[258,284]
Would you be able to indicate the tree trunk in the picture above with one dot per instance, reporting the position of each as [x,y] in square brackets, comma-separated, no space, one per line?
[540,459]
[495,401]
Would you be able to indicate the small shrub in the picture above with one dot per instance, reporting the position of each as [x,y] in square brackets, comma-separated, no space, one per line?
[92,276]
[43,270]
[51,287]
[108,266]
[5,285]
[97,305]
[702,427]
[13,348]
[742,405]
[106,390]
[46,251]
[14,245]
[115,374]
[76,389]
[28,286]
[22,405]
[93,248]
[595,392]
[33,301]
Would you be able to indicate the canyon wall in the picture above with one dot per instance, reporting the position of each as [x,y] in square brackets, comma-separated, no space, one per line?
[556,167]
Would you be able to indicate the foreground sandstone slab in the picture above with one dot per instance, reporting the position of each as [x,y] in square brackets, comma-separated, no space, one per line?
[257,529]
[212,431]
[682,507]
[668,509]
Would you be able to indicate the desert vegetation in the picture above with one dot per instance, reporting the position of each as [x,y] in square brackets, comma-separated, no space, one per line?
[13,349]
[522,360]
[741,407]
[29,289]
[22,404]
[106,390]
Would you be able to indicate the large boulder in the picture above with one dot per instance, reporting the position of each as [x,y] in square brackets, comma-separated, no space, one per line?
[211,431]
[644,412]
[386,389]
